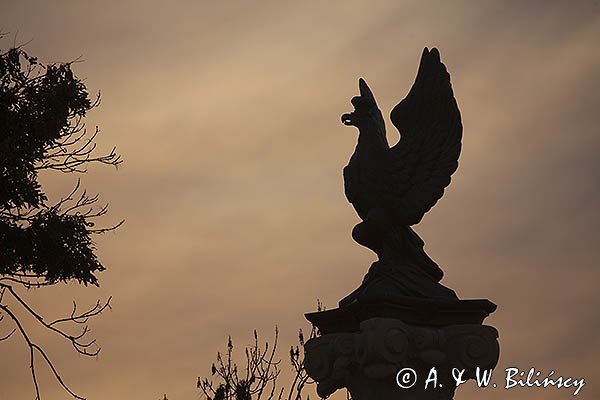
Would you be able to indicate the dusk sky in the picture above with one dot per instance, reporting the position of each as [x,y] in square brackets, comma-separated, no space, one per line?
[227,115]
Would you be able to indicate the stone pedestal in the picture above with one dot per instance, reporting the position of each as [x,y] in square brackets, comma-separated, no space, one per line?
[378,358]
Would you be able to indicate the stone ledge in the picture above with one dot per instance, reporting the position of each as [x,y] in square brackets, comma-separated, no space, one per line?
[411,310]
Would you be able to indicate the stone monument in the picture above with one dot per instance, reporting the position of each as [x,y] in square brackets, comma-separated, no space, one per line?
[401,324]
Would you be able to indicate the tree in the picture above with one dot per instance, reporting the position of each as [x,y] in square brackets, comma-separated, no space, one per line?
[43,243]
[258,378]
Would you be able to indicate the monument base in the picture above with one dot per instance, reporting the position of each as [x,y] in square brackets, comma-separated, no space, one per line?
[380,357]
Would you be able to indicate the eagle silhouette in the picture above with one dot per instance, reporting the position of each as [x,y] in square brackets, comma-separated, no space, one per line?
[391,188]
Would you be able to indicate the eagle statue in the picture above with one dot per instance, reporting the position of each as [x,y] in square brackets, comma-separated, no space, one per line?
[391,188]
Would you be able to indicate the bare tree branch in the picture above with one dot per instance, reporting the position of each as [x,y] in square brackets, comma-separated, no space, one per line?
[261,374]
[80,345]
[33,347]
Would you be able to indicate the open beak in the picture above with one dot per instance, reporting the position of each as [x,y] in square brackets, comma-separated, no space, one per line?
[347,119]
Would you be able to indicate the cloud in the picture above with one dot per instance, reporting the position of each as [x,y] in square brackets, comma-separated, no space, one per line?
[228,118]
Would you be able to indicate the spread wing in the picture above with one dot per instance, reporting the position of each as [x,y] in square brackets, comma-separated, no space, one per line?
[429,123]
